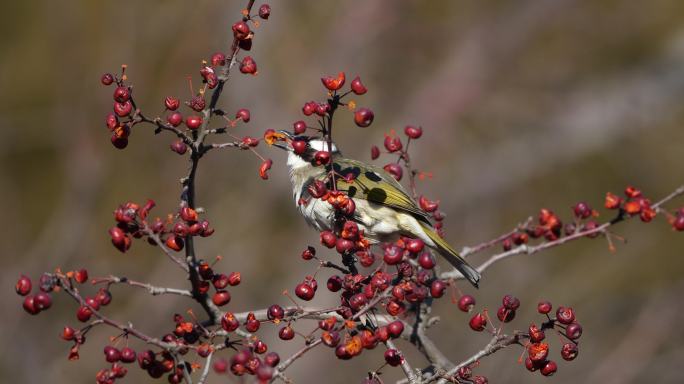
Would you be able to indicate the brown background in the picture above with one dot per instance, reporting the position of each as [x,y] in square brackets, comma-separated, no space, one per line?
[525,104]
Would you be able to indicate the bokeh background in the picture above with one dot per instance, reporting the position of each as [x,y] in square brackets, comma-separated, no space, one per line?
[525,104]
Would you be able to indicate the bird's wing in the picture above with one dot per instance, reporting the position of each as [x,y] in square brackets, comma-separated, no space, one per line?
[377,186]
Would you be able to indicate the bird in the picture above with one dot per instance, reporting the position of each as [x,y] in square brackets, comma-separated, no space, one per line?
[384,210]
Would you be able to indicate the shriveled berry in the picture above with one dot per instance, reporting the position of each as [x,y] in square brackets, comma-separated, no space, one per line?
[81,276]
[375,152]
[122,94]
[179,147]
[363,117]
[466,303]
[175,243]
[392,143]
[333,83]
[234,278]
[103,296]
[582,210]
[123,109]
[538,351]
[23,286]
[264,167]
[393,357]
[549,368]
[229,323]
[171,103]
[544,307]
[612,201]
[330,338]
[264,11]
[510,302]
[565,315]
[272,359]
[357,86]
[395,170]
[427,205]
[107,79]
[248,65]
[536,334]
[309,253]
[569,351]
[218,59]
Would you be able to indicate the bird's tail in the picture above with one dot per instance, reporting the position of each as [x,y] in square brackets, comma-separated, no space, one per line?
[452,256]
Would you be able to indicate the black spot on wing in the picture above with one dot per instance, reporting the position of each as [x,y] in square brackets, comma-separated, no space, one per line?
[372,176]
[377,195]
[352,191]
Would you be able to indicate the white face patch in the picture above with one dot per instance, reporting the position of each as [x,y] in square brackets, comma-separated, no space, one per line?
[321,145]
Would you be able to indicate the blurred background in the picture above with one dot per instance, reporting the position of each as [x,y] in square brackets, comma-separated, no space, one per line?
[524,105]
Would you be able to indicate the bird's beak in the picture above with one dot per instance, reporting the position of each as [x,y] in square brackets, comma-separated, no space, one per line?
[285,143]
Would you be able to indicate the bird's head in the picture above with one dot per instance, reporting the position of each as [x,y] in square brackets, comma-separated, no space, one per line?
[301,150]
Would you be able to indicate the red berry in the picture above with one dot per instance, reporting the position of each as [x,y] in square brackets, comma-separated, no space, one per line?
[23,286]
[197,103]
[426,260]
[220,281]
[240,30]
[413,132]
[531,365]
[218,59]
[504,314]
[304,291]
[414,245]
[393,255]
[427,205]
[330,338]
[264,11]
[549,369]
[179,147]
[122,94]
[333,83]
[193,122]
[358,87]
[174,119]
[437,288]
[573,331]
[171,103]
[478,322]
[221,298]
[107,79]
[68,333]
[309,253]
[229,323]
[112,121]
[175,243]
[328,239]
[612,201]
[538,351]
[375,152]
[343,245]
[363,117]
[286,333]
[565,315]
[248,65]
[252,324]
[322,157]
[382,334]
[272,359]
[275,311]
[536,334]
[582,210]
[299,146]
[395,170]
[357,301]
[30,305]
[544,307]
[678,223]
[243,114]
[128,355]
[112,355]
[299,127]
[466,303]
[92,303]
[393,143]
[103,296]
[510,302]
[393,357]
[569,351]
[234,278]
[309,108]
[264,167]
[81,276]
[123,109]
